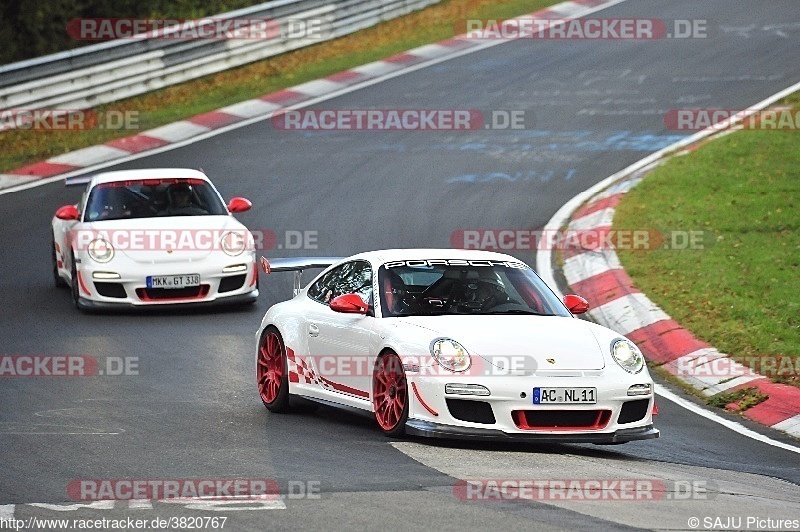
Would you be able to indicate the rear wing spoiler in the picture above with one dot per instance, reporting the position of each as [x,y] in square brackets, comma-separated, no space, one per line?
[296,265]
[76,181]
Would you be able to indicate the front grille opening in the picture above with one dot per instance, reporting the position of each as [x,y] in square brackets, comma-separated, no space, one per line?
[633,410]
[229,284]
[561,419]
[161,294]
[472,411]
[111,290]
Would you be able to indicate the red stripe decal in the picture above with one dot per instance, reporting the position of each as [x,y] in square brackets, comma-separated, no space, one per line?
[344,388]
[83,286]
[423,403]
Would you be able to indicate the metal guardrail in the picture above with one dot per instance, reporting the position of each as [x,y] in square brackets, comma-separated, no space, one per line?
[101,73]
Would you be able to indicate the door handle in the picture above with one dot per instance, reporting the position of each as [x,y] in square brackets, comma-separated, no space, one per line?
[313,330]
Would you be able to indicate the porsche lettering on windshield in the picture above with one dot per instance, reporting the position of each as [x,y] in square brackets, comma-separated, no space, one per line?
[454,262]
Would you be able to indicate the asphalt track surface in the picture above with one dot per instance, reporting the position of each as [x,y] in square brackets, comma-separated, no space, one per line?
[193,411]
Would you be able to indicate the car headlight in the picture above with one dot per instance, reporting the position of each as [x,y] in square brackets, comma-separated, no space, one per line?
[233,243]
[627,355]
[100,250]
[450,354]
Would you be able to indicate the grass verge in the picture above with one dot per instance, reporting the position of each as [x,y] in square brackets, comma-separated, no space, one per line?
[739,292]
[167,105]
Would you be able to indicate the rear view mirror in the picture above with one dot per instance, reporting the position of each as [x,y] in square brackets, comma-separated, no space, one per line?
[239,204]
[576,304]
[68,212]
[349,304]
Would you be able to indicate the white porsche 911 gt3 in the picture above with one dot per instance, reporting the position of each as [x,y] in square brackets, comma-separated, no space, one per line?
[451,343]
[153,237]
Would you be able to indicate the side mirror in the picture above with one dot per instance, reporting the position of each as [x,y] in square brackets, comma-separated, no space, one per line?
[68,212]
[349,304]
[239,205]
[576,304]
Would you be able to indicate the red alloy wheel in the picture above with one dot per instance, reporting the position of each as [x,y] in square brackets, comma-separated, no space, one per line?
[390,394]
[273,385]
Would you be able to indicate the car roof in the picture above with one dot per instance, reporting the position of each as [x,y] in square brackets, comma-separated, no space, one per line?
[147,173]
[389,255]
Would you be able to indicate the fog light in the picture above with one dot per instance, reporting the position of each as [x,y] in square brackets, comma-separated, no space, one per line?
[105,275]
[466,389]
[640,389]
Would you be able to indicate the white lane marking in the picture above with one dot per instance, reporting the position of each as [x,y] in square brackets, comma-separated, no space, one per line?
[250,108]
[588,264]
[189,503]
[317,87]
[176,131]
[791,425]
[7,511]
[228,506]
[662,391]
[97,505]
[93,155]
[345,90]
[629,313]
[140,504]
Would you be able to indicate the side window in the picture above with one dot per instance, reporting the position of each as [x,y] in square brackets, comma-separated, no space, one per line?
[352,277]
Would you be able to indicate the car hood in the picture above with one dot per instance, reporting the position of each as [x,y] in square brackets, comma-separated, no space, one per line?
[164,239]
[536,343]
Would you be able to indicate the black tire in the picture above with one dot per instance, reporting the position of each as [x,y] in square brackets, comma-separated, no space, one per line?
[272,377]
[74,288]
[57,279]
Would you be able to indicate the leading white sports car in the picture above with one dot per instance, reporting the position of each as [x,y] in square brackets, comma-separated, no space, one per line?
[451,343]
[153,237]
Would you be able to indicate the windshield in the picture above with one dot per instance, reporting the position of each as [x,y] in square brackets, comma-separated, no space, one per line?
[437,287]
[149,198]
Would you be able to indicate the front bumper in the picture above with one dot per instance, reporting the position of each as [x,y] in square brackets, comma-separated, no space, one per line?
[248,297]
[129,288]
[506,410]
[428,429]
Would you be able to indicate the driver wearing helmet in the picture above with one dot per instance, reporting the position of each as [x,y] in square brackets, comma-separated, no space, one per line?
[181,200]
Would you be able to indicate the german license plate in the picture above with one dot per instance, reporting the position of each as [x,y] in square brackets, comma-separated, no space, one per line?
[173,281]
[564,396]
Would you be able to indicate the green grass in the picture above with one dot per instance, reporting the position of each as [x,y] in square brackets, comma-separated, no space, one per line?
[746,398]
[740,293]
[167,105]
